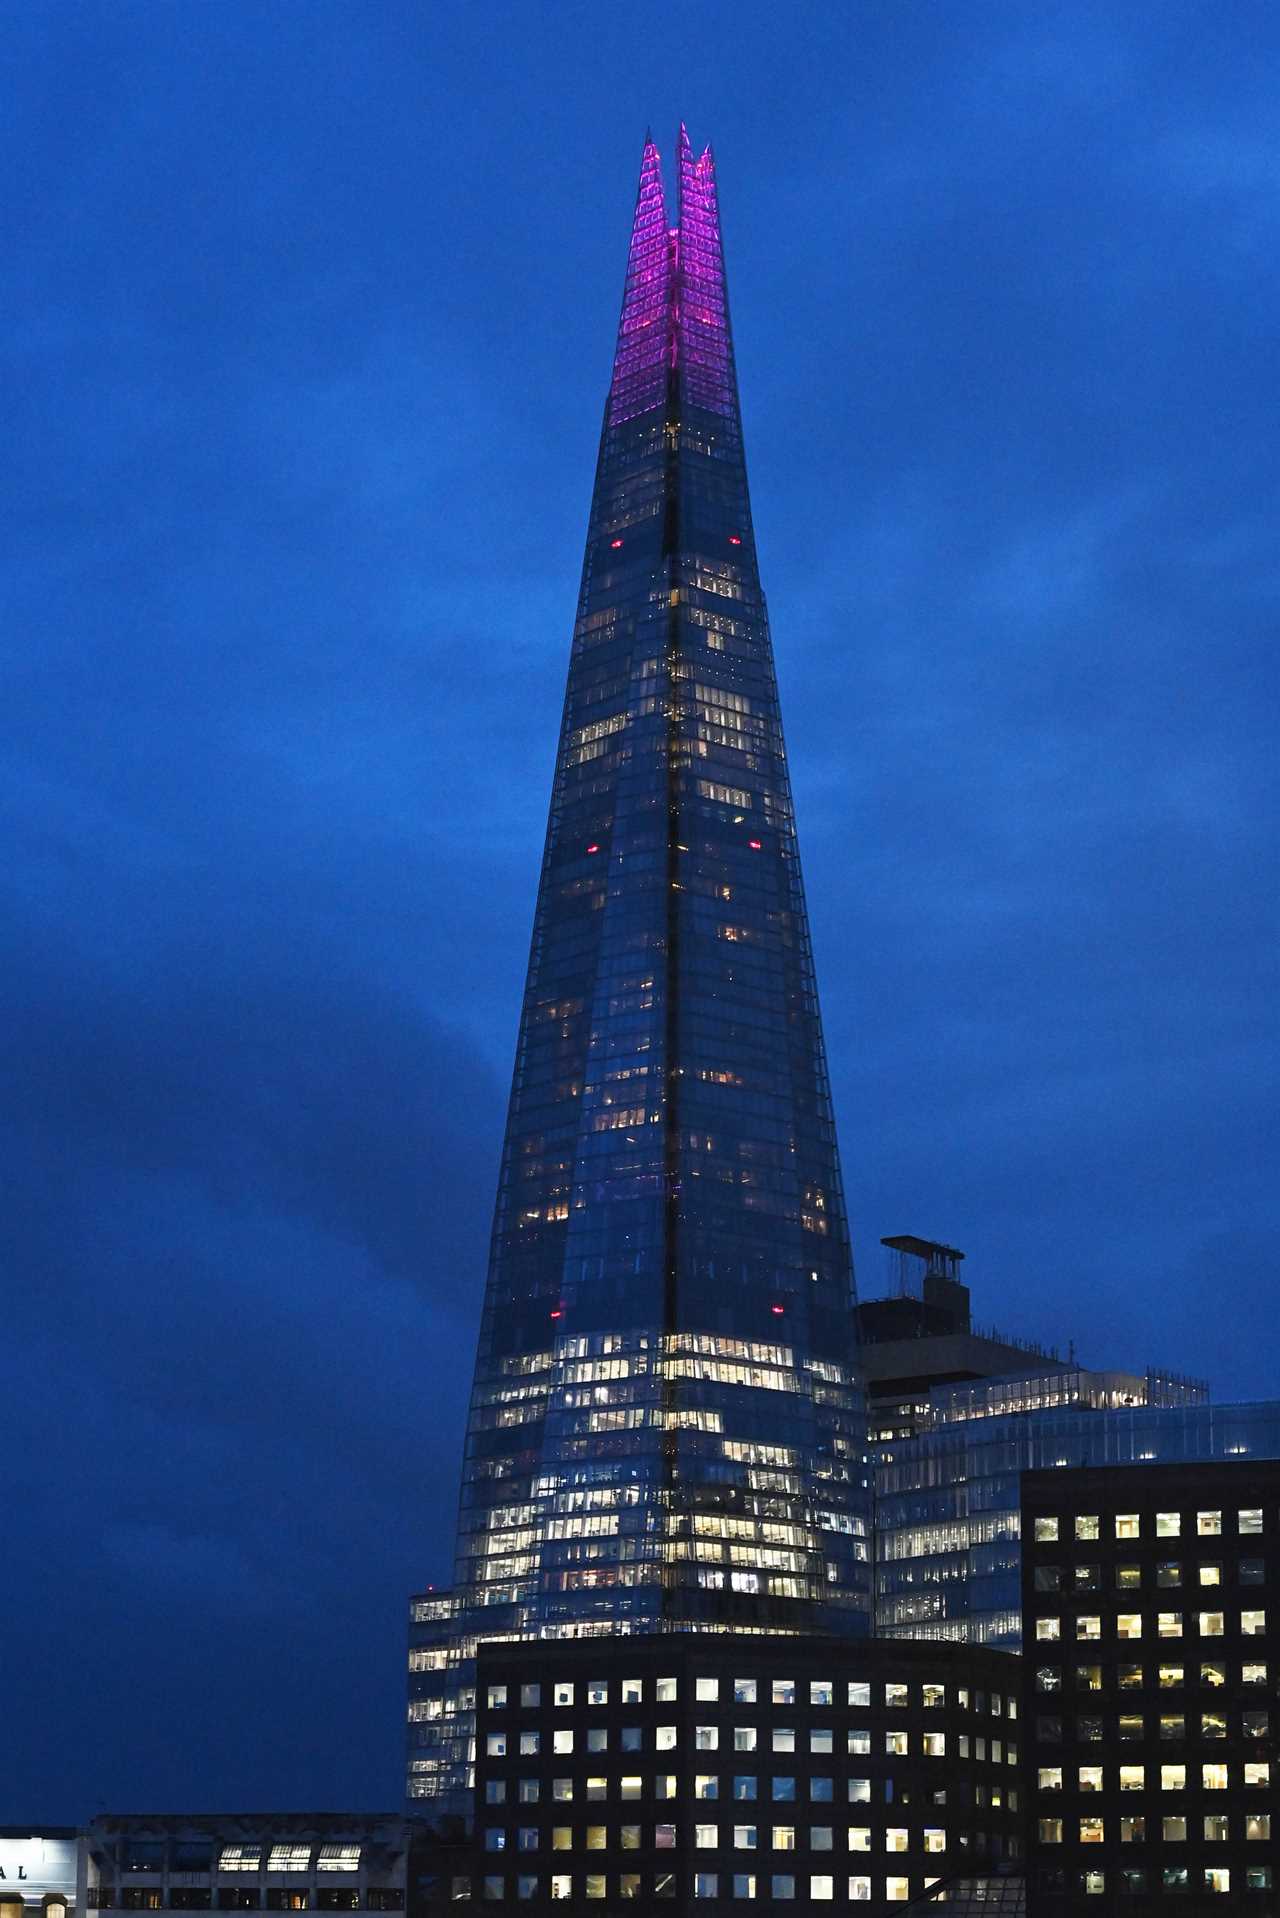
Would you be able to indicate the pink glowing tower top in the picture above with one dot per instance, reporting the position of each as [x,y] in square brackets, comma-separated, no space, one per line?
[673,336]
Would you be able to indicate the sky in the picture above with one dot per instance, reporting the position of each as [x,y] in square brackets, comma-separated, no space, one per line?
[309,311]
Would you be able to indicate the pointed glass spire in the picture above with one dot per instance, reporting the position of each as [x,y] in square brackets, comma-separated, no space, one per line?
[666,1430]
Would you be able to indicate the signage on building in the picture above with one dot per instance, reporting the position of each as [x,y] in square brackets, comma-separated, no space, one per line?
[37,1867]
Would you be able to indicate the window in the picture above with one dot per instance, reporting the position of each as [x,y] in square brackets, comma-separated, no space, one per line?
[821,1886]
[1131,1725]
[1132,1778]
[494,1887]
[1046,1531]
[1168,1525]
[784,1738]
[744,1691]
[1174,1829]
[528,1791]
[895,1744]
[1213,1776]
[562,1743]
[895,1696]
[1210,1574]
[631,1738]
[1257,1824]
[664,1837]
[562,1789]
[1170,1677]
[1091,1830]
[934,1744]
[744,1884]
[784,1691]
[1045,1578]
[706,1884]
[1173,1777]
[1213,1725]
[1169,1624]
[1217,1878]
[1209,1524]
[1128,1525]
[860,1890]
[1048,1678]
[562,1838]
[1087,1526]
[527,1838]
[629,1837]
[1091,1778]
[821,1790]
[1216,1824]
[934,1696]
[1128,1624]
[1173,1725]
[896,1838]
[495,1791]
[240,1858]
[820,1740]
[1133,1829]
[495,1746]
[706,1690]
[859,1791]
[820,1838]
[530,1696]
[1213,1673]
[859,1838]
[289,1858]
[563,1694]
[496,1697]
[665,1738]
[783,1789]
[633,1691]
[1169,1573]
[859,1692]
[1253,1624]
[631,1785]
[744,1738]
[1210,1624]
[784,1838]
[782,1885]
[895,1891]
[1253,1571]
[706,1837]
[745,1837]
[1088,1625]
[1089,1678]
[706,1785]
[529,1743]
[821,1691]
[526,1887]
[1249,1519]
[744,1787]
[1257,1772]
[706,1738]
[665,1690]
[935,1838]
[1049,1778]
[595,1837]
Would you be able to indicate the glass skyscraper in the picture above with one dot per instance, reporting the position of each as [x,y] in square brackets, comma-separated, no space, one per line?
[666,1430]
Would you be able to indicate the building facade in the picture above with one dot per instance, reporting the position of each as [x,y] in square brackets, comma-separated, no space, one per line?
[714,1769]
[1150,1600]
[666,1432]
[45,1872]
[251,1861]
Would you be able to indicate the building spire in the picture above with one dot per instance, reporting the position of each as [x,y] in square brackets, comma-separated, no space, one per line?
[640,359]
[705,344]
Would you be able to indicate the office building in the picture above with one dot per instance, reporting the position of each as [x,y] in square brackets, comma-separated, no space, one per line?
[666,1431]
[251,1861]
[1150,1600]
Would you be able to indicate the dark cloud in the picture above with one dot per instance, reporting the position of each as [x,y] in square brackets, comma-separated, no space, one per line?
[310,315]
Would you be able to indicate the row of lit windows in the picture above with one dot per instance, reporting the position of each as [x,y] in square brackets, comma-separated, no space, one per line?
[289,1858]
[1216,1827]
[932,1838]
[1130,1578]
[747,1691]
[1089,1678]
[1215,1775]
[818,1886]
[746,1738]
[1175,1878]
[706,1785]
[1253,1623]
[1170,1725]
[1134,1777]
[1208,1524]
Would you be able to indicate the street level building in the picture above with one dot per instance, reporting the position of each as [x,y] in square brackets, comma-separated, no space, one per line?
[716,1771]
[45,1872]
[1150,1595]
[666,1432]
[250,1861]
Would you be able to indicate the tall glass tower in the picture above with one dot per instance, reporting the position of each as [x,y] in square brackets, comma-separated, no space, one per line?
[666,1429]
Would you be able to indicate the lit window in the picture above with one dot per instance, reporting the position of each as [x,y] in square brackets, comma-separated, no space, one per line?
[895,1744]
[706,1837]
[664,1785]
[289,1858]
[784,1738]
[1132,1778]
[530,1696]
[1128,1525]
[896,1838]
[665,1690]
[860,1890]
[1217,1878]
[783,1789]
[1133,1829]
[896,1891]
[564,1694]
[561,1743]
[562,1790]
[633,1691]
[1129,1625]
[1257,1772]
[1169,1624]
[821,1692]
[859,1838]
[1174,1829]
[1216,1827]
[1209,1524]
[1212,1673]
[1091,1778]
[744,1884]
[784,1691]
[706,1785]
[562,1838]
[744,1691]
[1253,1672]
[1046,1531]
[744,1787]
[1168,1573]
[822,1887]
[495,1745]
[1210,1624]
[1214,1776]
[706,1690]
[240,1858]
[934,1743]
[706,1738]
[820,1838]
[665,1738]
[1088,1625]
[895,1696]
[859,1791]
[1173,1777]
[598,1692]
[1087,1526]
[530,1743]
[820,1740]
[1211,1574]
[1253,1624]
[1173,1725]
[1249,1519]
[745,1837]
[1091,1831]
[1257,1824]
[1168,1525]
[860,1692]
[664,1837]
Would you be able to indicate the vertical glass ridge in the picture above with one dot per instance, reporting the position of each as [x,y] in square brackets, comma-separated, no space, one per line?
[666,1427]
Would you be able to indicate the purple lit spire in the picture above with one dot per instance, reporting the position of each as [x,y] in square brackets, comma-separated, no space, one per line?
[705,347]
[640,361]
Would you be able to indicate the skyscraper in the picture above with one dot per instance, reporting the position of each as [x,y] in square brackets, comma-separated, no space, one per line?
[666,1431]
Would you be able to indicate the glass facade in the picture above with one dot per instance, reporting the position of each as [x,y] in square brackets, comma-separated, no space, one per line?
[948,1531]
[666,1430]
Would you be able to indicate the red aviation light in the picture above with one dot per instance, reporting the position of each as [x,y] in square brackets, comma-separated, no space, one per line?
[777,1310]
[557,1311]
[593,847]
[756,845]
[615,544]
[734,540]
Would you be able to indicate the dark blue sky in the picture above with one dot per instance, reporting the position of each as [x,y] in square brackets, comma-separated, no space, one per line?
[309,314]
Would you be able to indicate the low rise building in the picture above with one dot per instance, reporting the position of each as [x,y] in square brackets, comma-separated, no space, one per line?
[251,1861]
[705,1769]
